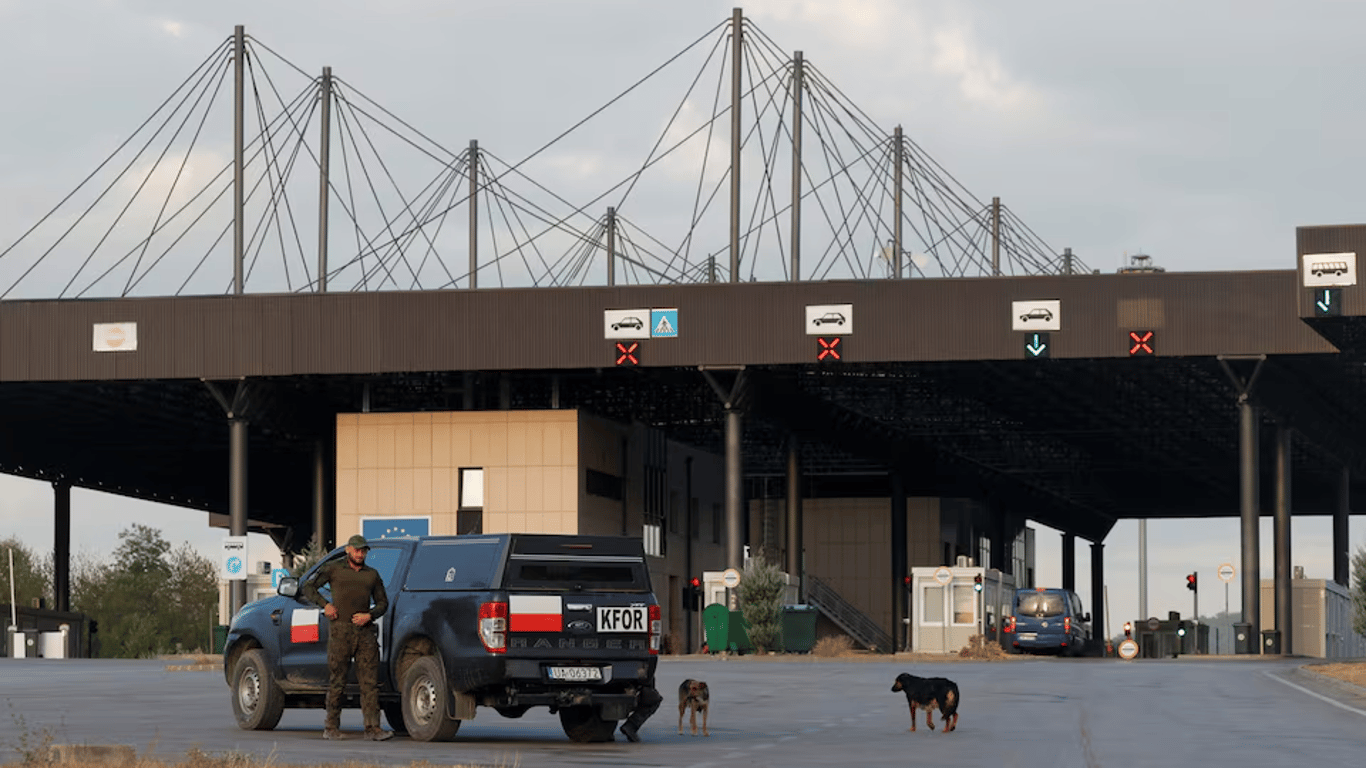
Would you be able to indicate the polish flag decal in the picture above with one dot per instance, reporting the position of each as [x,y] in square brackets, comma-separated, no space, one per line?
[303,625]
[535,613]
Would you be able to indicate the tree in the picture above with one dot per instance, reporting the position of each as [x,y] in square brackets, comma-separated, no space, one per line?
[761,603]
[31,580]
[150,599]
[1359,591]
[313,552]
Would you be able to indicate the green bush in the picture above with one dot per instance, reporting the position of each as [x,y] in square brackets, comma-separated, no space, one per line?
[761,603]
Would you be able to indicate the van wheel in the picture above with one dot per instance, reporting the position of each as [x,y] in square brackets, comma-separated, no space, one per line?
[257,702]
[584,724]
[426,697]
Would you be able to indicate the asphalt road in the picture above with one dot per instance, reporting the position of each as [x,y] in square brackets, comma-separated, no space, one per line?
[803,712]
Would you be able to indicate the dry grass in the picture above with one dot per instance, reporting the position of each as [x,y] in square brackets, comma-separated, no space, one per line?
[982,649]
[833,646]
[198,759]
[1348,672]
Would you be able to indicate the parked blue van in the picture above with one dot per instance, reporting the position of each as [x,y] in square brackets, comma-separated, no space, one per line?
[1043,620]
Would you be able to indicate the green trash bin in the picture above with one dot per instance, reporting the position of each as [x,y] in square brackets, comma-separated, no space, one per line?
[220,637]
[799,628]
[716,623]
[738,637]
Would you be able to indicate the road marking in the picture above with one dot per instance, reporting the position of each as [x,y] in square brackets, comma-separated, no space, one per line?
[787,738]
[763,746]
[732,755]
[1302,689]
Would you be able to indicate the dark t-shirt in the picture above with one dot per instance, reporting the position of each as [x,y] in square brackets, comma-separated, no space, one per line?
[353,591]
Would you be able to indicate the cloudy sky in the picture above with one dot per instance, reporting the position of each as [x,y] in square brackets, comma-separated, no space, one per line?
[1200,133]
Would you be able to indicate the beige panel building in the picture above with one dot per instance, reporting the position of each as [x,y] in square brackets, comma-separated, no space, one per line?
[553,471]
[1321,617]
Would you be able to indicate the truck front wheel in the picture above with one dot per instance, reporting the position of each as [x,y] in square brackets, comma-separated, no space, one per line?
[426,697]
[584,724]
[257,702]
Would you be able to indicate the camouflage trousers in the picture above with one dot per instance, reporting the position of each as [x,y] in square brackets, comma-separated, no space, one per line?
[344,642]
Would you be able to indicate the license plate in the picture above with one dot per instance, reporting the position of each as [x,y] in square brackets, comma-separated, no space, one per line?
[634,619]
[1028,635]
[575,674]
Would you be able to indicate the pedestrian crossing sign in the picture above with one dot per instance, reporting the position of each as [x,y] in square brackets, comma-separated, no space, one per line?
[664,323]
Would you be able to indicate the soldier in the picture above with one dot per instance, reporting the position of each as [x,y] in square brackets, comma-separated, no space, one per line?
[647,703]
[352,633]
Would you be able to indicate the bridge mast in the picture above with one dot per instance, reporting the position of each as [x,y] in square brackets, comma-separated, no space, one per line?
[798,75]
[324,152]
[737,29]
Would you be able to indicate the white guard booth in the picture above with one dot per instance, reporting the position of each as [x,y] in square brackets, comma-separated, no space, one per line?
[947,610]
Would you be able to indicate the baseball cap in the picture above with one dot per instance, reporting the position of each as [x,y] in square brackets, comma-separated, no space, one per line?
[358,541]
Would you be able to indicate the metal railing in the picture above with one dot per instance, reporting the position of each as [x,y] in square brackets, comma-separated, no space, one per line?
[849,618]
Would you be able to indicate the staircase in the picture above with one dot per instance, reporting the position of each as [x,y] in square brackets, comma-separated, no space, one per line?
[849,618]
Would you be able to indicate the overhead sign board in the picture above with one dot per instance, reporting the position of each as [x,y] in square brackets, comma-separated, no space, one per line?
[233,564]
[116,337]
[1039,315]
[829,319]
[1329,269]
[626,323]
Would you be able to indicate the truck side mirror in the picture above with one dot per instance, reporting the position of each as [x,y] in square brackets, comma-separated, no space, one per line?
[1084,616]
[289,586]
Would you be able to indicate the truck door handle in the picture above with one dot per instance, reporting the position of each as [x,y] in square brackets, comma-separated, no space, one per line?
[275,616]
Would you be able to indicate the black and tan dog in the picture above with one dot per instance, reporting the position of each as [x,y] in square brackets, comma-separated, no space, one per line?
[929,693]
[695,696]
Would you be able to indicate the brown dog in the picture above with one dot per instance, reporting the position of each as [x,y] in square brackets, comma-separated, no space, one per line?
[695,696]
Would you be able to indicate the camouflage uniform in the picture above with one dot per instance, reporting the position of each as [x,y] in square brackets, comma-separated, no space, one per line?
[353,592]
[647,703]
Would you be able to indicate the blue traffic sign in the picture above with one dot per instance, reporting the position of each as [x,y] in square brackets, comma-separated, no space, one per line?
[1036,345]
[664,323]
[276,575]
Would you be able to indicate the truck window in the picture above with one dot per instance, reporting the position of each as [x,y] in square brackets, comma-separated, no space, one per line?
[576,574]
[463,563]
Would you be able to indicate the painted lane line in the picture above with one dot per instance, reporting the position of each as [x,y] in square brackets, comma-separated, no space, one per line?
[1316,695]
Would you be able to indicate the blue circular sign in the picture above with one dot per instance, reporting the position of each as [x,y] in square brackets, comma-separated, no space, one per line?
[234,565]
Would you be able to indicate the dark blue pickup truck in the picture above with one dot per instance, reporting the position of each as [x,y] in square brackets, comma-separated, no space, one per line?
[508,621]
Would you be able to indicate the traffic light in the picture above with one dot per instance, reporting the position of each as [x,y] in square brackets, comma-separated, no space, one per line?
[1128,629]
[1190,582]
[695,594]
[1181,629]
[977,582]
[906,581]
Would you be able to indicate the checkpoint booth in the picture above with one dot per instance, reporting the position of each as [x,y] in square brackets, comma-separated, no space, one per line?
[947,609]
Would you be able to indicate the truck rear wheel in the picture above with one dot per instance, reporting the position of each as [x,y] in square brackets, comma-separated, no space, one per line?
[257,702]
[584,724]
[426,697]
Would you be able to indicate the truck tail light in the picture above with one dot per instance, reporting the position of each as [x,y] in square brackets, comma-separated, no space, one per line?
[656,625]
[1008,626]
[1067,625]
[493,626]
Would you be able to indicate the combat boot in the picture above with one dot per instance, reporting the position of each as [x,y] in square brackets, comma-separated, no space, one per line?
[333,734]
[375,733]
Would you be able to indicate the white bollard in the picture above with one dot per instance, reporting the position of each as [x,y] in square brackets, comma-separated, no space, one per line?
[16,642]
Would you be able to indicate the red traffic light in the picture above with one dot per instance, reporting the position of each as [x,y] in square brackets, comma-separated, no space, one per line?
[1190,582]
[696,582]
[906,580]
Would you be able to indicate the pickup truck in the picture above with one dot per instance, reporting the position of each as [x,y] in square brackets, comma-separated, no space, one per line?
[508,621]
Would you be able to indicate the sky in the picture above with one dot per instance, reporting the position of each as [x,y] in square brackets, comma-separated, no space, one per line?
[1201,134]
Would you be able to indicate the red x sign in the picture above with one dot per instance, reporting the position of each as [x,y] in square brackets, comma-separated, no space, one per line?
[1141,343]
[828,350]
[628,353]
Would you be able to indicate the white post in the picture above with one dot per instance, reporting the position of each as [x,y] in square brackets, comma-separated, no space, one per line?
[16,647]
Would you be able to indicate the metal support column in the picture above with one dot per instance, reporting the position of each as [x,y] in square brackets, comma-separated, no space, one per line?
[995,236]
[736,33]
[61,545]
[1098,629]
[899,562]
[734,489]
[795,535]
[1281,536]
[1143,569]
[320,495]
[239,48]
[798,85]
[1248,461]
[1341,570]
[611,245]
[237,498]
[474,212]
[899,158]
[324,163]
[1069,561]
